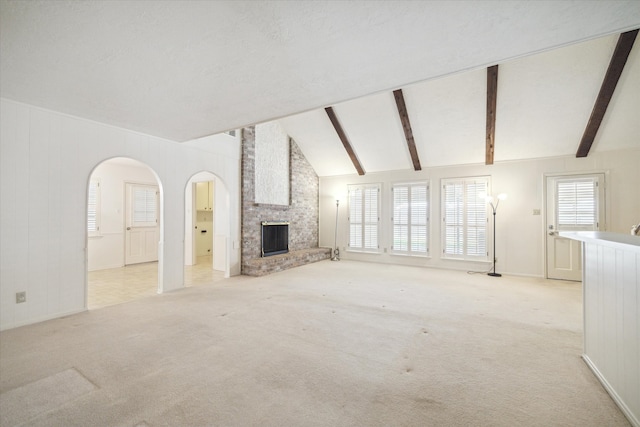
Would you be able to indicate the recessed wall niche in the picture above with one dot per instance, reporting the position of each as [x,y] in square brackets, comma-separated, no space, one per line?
[271,164]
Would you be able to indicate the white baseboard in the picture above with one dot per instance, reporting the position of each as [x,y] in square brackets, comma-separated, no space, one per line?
[41,319]
[105,267]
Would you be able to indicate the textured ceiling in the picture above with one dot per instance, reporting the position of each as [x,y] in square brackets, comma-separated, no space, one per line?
[185,69]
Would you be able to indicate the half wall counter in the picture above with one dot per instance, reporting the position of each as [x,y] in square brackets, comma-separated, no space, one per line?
[611,299]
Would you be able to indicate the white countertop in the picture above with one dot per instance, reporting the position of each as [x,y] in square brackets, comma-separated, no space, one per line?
[605,238]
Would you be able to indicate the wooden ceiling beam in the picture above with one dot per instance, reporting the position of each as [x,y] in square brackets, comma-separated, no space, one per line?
[492,96]
[616,65]
[406,126]
[344,139]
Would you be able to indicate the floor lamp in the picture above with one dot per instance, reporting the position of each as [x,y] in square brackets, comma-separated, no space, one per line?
[501,196]
[336,251]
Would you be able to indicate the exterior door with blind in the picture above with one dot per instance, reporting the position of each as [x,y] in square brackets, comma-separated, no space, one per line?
[574,203]
[142,228]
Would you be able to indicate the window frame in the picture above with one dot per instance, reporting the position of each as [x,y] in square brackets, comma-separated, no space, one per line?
[467,217]
[410,224]
[363,213]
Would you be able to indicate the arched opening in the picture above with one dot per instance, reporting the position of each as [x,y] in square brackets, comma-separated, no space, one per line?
[123,231]
[207,230]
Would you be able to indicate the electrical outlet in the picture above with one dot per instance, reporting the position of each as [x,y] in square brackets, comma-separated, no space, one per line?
[536,211]
[21,297]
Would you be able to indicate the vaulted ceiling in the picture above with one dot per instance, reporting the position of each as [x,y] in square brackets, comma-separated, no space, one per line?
[544,102]
[186,69]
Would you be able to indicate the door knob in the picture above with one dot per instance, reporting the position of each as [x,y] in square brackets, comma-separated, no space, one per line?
[128,228]
[552,233]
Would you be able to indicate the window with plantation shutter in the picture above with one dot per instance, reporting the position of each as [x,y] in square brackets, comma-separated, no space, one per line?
[355,218]
[364,217]
[464,217]
[145,206]
[410,218]
[576,203]
[93,208]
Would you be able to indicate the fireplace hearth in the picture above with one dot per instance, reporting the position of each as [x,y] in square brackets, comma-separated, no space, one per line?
[275,238]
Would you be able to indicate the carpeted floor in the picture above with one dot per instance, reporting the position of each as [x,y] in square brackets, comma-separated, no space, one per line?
[328,344]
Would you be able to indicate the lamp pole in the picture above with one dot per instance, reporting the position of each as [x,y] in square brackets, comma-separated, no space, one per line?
[493,270]
[336,251]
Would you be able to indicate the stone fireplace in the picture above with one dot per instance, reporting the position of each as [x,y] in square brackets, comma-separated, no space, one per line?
[300,214]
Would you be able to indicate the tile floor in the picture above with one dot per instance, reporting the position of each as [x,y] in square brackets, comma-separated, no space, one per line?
[117,285]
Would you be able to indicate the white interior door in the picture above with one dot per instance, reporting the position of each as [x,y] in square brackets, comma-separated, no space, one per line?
[142,228]
[574,203]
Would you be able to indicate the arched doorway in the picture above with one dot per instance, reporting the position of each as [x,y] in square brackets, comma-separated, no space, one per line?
[123,231]
[207,229]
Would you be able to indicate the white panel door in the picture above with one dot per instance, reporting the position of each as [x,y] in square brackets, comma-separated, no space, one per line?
[142,225]
[574,203]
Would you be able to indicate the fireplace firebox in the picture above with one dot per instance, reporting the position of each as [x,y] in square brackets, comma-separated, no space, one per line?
[275,238]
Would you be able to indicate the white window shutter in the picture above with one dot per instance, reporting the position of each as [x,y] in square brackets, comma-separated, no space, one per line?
[364,217]
[465,217]
[476,213]
[145,202]
[355,218]
[371,217]
[401,218]
[419,218]
[93,214]
[453,214]
[576,203]
[410,218]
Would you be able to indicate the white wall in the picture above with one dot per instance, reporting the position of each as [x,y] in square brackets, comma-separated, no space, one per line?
[106,250]
[46,159]
[520,235]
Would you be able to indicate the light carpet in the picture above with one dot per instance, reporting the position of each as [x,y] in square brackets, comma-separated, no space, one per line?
[327,344]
